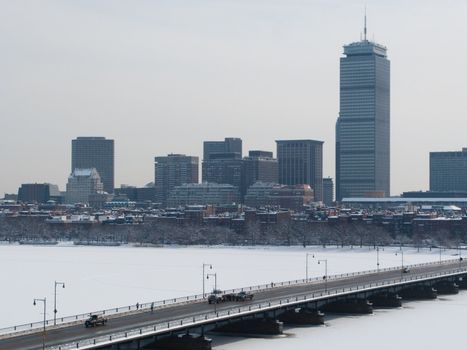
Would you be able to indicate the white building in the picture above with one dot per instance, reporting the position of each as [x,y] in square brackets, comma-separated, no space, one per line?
[81,184]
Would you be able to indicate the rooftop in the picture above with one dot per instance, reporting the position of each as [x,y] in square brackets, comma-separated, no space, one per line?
[301,141]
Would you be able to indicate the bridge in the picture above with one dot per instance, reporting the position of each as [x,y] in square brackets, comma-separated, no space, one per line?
[182,323]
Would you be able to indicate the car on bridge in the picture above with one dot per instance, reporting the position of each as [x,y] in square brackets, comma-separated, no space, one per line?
[217,297]
[244,296]
[95,320]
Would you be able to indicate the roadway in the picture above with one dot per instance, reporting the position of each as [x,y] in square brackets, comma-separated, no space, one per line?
[77,332]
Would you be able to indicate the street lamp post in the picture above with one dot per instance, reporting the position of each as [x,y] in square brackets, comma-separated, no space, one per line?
[204,266]
[306,267]
[215,279]
[402,261]
[215,288]
[325,273]
[45,308]
[440,250]
[55,299]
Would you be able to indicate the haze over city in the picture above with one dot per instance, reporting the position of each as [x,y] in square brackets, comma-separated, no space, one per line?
[163,76]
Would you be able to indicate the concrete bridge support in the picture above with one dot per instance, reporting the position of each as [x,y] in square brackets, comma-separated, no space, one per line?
[349,306]
[418,292]
[302,316]
[385,300]
[137,344]
[461,281]
[446,287]
[181,342]
[263,326]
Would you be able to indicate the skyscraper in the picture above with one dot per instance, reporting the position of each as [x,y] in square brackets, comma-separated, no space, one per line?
[362,129]
[95,152]
[301,163]
[328,191]
[222,162]
[448,171]
[259,166]
[174,170]
[229,145]
[224,168]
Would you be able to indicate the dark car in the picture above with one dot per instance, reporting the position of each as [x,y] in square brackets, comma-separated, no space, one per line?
[215,299]
[95,320]
[243,296]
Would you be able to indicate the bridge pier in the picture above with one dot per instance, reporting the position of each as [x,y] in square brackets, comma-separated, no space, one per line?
[181,342]
[385,300]
[349,306]
[461,281]
[263,326]
[302,316]
[130,345]
[446,287]
[420,292]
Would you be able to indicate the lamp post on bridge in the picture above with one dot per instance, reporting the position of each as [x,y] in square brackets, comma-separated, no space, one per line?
[402,261]
[325,273]
[55,299]
[306,264]
[204,274]
[215,287]
[45,309]
[215,279]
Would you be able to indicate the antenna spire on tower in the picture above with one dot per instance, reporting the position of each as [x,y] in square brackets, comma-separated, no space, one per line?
[364,26]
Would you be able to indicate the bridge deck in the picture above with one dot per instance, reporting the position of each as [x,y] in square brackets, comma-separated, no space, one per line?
[77,332]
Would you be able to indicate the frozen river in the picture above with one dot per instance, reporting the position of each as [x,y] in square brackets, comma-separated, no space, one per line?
[104,277]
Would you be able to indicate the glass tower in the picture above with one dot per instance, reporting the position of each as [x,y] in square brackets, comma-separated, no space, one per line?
[95,152]
[301,163]
[363,126]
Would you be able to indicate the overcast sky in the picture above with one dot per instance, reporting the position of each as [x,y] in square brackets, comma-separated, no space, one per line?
[161,76]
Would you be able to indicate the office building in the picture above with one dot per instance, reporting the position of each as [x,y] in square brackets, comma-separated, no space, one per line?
[328,191]
[203,194]
[259,166]
[95,152]
[301,163]
[136,194]
[174,170]
[292,197]
[229,145]
[363,126]
[448,171]
[82,183]
[224,168]
[39,193]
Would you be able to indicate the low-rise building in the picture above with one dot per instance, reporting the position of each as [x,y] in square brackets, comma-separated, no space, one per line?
[38,193]
[293,197]
[203,194]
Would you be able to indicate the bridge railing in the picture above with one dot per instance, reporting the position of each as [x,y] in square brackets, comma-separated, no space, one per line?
[144,307]
[182,323]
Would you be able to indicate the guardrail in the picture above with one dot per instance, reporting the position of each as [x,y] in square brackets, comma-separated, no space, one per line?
[124,310]
[205,318]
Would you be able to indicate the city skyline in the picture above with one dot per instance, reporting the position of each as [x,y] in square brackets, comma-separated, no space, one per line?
[140,87]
